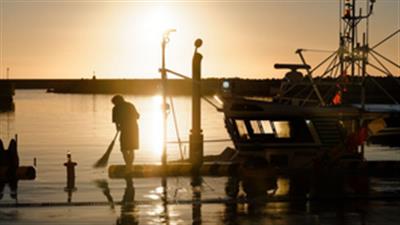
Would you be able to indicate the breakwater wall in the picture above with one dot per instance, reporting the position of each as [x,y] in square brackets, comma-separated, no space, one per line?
[147,86]
[378,89]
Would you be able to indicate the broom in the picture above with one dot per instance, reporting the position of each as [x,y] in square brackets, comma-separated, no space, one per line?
[102,162]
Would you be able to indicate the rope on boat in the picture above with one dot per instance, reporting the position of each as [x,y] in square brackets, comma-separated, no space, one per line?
[224,200]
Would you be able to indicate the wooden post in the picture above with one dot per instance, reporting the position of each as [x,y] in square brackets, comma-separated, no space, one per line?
[196,134]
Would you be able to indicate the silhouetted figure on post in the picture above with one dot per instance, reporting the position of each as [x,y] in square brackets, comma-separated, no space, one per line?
[125,117]
[196,133]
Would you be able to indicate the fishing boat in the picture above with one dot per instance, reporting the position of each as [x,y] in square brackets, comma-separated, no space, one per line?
[316,126]
[349,76]
[309,145]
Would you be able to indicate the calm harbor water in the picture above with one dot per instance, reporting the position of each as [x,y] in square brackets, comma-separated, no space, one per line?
[50,125]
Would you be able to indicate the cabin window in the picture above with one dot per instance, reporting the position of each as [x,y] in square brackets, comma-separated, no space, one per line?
[241,127]
[267,127]
[282,129]
[261,127]
[279,131]
[256,126]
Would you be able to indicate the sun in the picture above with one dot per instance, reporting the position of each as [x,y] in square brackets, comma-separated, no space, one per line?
[160,19]
[139,33]
[155,21]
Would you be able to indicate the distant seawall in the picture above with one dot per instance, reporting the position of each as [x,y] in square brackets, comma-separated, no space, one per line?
[209,86]
[378,89]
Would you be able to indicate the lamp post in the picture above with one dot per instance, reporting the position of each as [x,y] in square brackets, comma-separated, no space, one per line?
[164,43]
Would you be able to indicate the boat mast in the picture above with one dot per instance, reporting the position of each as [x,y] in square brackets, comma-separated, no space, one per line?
[347,67]
[352,52]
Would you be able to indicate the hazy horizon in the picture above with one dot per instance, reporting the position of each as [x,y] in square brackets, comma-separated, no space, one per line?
[121,39]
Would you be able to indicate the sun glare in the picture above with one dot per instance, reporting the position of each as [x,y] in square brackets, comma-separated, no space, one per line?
[156,126]
[159,20]
[142,31]
[155,21]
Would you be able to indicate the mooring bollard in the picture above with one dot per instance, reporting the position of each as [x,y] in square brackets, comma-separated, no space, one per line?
[70,172]
[70,176]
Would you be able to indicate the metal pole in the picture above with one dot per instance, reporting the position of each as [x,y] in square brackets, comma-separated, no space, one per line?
[314,86]
[164,94]
[353,33]
[164,101]
[341,41]
[363,94]
[164,111]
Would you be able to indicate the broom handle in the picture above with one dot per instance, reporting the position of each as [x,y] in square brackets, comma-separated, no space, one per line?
[116,135]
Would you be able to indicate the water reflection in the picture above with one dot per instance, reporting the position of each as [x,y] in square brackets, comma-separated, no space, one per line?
[9,163]
[196,200]
[155,128]
[160,211]
[7,127]
[129,214]
[239,207]
[103,185]
[250,208]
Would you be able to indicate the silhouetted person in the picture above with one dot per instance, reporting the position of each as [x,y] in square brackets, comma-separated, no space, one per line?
[125,116]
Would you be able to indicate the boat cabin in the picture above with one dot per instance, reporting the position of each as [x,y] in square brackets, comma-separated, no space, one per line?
[288,135]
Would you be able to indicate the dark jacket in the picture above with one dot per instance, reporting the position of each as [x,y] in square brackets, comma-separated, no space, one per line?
[125,116]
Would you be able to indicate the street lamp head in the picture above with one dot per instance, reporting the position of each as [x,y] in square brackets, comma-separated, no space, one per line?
[166,36]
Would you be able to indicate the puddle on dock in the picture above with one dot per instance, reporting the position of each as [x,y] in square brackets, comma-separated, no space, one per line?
[270,213]
[142,202]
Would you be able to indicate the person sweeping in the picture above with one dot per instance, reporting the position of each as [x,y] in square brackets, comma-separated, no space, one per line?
[125,116]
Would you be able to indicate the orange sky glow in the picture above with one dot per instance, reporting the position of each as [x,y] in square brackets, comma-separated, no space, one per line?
[121,39]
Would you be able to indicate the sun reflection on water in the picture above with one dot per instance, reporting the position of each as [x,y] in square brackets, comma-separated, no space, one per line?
[155,137]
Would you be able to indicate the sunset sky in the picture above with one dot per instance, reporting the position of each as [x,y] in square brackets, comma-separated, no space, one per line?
[121,39]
